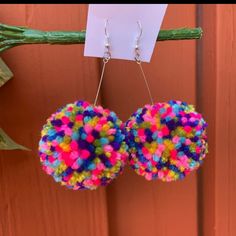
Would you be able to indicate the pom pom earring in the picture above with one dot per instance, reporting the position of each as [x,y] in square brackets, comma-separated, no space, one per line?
[166,140]
[82,146]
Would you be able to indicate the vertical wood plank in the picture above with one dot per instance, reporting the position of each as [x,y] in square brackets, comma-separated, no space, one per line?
[217,96]
[46,78]
[206,103]
[225,121]
[136,206]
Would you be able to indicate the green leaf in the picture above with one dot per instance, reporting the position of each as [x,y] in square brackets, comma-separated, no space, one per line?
[6,143]
[5,73]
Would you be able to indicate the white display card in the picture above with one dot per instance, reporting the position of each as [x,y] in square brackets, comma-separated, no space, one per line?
[123,29]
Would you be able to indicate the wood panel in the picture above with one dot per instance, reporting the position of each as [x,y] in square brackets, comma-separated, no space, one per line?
[206,101]
[136,206]
[218,96]
[225,121]
[46,77]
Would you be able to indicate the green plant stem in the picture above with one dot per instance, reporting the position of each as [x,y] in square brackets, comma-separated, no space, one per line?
[11,36]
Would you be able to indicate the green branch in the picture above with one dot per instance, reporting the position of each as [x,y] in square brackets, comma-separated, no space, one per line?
[11,36]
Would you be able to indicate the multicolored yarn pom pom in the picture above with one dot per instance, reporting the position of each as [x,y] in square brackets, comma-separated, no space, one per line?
[83,146]
[166,140]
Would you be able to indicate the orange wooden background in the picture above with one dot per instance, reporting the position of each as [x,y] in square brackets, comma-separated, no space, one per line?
[46,77]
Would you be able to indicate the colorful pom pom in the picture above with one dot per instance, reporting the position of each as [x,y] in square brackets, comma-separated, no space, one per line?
[83,146]
[166,140]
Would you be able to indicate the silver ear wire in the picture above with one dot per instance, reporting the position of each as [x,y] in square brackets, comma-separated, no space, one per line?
[106,34]
[107,53]
[141,31]
[137,50]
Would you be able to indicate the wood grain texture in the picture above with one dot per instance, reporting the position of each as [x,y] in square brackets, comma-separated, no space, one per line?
[225,149]
[216,99]
[46,78]
[206,103]
[137,207]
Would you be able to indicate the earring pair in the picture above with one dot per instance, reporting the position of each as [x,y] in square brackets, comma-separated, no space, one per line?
[84,146]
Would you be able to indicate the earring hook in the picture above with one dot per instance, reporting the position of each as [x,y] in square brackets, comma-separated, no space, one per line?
[106,34]
[141,30]
[137,52]
[107,53]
